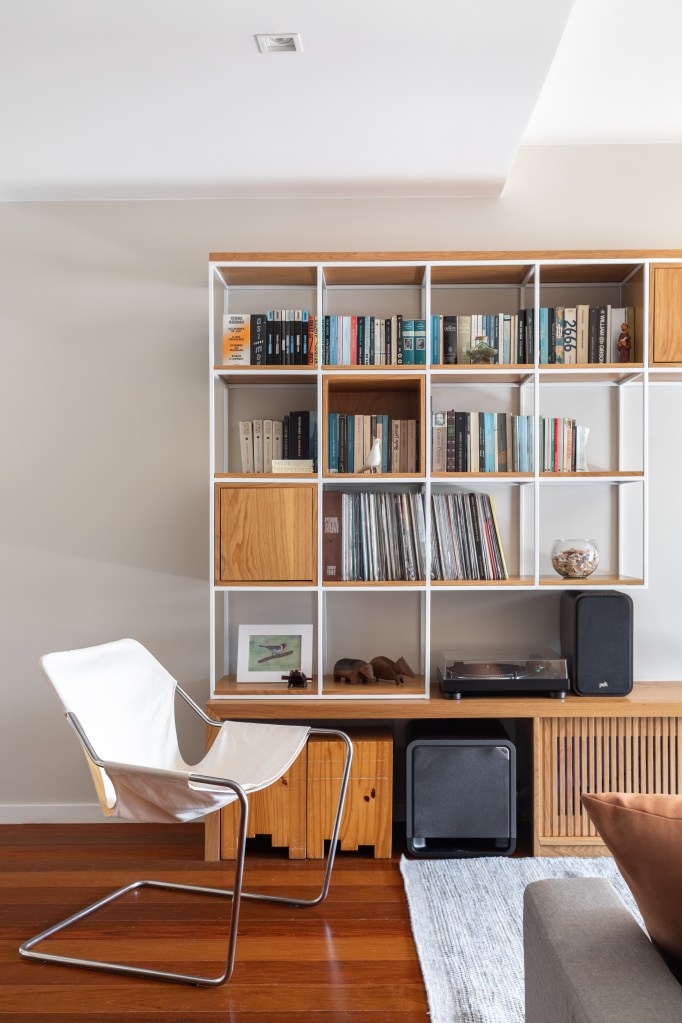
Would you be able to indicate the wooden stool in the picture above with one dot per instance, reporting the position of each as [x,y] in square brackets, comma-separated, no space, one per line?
[298,811]
[278,811]
[369,802]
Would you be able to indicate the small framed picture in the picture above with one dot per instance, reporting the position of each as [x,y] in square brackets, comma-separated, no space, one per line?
[266,652]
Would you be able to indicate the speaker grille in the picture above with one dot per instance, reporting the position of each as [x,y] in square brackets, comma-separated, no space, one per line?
[579,755]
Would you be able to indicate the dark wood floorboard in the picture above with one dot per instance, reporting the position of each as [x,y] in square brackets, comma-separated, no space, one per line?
[350,960]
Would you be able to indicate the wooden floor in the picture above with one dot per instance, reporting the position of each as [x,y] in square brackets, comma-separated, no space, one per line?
[350,960]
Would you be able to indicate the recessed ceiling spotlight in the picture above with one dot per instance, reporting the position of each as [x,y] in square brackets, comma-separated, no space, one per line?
[280,42]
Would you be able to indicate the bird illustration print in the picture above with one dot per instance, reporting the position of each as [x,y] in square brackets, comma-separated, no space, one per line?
[276,650]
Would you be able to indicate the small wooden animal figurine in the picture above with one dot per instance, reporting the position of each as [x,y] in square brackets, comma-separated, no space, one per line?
[387,670]
[373,462]
[624,343]
[353,671]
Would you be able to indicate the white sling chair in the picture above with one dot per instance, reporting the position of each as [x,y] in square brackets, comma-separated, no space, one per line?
[120,702]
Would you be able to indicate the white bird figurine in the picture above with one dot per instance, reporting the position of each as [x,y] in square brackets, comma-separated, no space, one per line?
[373,462]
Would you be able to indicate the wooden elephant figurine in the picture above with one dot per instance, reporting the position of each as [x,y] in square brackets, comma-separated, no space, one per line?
[353,671]
[391,671]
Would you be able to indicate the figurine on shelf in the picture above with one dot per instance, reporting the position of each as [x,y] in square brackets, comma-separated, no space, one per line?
[353,671]
[624,343]
[373,462]
[296,679]
[481,351]
[387,670]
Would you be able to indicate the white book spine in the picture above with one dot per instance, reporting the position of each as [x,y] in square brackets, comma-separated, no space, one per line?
[246,445]
[267,445]
[258,445]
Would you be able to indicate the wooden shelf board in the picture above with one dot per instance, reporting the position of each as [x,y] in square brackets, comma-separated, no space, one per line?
[267,276]
[386,690]
[592,580]
[458,583]
[648,699]
[269,374]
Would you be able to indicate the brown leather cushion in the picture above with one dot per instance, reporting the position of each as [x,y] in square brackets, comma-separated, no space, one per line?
[644,834]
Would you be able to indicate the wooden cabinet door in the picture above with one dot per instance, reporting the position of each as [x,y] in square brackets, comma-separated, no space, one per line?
[265,534]
[666,313]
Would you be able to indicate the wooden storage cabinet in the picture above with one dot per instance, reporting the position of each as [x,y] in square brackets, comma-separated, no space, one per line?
[666,318]
[265,534]
[598,754]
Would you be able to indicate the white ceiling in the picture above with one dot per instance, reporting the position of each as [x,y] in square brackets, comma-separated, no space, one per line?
[172,99]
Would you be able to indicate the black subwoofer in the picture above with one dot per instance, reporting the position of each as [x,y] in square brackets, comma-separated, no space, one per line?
[461,795]
[596,640]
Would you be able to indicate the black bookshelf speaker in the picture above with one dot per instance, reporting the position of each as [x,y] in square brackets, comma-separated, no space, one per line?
[461,796]
[596,640]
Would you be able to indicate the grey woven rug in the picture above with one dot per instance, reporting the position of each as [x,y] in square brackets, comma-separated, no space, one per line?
[467,920]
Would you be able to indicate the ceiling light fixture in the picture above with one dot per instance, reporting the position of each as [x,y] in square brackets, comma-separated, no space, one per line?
[280,42]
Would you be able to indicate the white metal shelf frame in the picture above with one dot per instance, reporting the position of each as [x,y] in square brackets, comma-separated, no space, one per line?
[535,375]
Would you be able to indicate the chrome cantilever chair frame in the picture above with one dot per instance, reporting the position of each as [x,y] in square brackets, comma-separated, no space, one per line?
[27,949]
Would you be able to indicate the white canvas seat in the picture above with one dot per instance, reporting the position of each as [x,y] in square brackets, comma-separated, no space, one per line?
[121,703]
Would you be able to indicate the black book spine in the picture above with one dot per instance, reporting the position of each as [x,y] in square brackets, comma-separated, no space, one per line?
[449,340]
[399,339]
[461,433]
[451,442]
[361,340]
[258,341]
[388,350]
[520,336]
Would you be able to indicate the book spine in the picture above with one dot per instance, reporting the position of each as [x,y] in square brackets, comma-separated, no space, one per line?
[333,442]
[258,445]
[449,340]
[236,339]
[570,335]
[593,336]
[267,445]
[438,428]
[583,318]
[299,434]
[419,342]
[332,536]
[246,445]
[258,328]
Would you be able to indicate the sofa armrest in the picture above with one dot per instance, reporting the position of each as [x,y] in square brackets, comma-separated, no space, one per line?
[588,961]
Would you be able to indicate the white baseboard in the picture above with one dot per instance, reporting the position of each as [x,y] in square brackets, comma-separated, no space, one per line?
[51,813]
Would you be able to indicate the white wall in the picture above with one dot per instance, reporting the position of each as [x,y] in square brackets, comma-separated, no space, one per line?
[104,417]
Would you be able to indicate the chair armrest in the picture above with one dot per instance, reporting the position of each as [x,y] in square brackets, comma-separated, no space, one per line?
[588,961]
[196,708]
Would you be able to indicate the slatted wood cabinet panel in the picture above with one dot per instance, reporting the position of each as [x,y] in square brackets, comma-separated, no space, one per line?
[598,754]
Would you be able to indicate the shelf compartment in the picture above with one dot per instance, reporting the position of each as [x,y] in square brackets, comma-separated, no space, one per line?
[265,534]
[402,397]
[252,606]
[356,626]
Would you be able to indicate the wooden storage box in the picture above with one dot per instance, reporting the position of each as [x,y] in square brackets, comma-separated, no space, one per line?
[266,534]
[298,811]
[368,811]
[278,811]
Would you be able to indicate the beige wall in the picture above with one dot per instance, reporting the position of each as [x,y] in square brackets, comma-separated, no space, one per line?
[104,415]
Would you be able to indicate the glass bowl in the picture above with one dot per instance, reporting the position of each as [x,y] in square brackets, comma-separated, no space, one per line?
[574,559]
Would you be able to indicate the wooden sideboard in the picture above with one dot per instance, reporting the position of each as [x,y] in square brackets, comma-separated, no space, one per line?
[593,744]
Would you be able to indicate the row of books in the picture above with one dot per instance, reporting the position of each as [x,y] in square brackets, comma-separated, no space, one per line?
[373,341]
[373,536]
[465,539]
[504,442]
[350,439]
[566,335]
[263,440]
[278,337]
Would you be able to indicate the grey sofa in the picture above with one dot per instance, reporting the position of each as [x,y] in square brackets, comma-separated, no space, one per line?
[588,961]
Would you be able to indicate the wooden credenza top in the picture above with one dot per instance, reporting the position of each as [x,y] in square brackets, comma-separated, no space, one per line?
[647,699]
